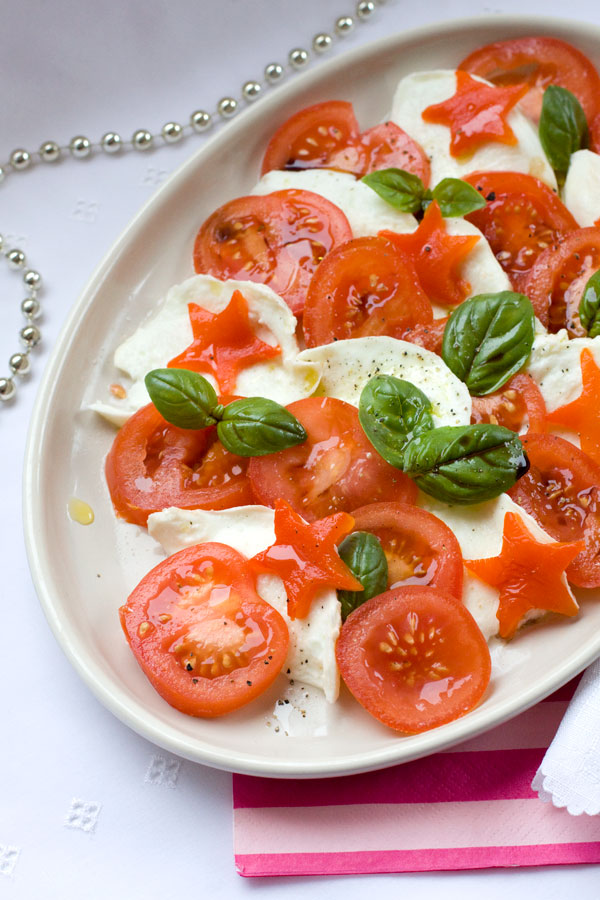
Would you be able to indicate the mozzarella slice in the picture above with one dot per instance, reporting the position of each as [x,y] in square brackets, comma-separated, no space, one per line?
[250,529]
[348,365]
[555,366]
[478,530]
[581,191]
[366,212]
[422,89]
[168,332]
[480,268]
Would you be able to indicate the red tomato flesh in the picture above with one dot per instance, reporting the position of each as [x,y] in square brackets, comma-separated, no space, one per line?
[204,638]
[152,465]
[414,658]
[518,402]
[335,470]
[419,548]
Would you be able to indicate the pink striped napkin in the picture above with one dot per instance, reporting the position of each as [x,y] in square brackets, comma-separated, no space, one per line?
[470,807]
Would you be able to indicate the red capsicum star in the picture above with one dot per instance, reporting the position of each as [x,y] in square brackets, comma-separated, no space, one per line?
[583,413]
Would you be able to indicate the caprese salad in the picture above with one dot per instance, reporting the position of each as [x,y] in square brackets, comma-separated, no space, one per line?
[366,431]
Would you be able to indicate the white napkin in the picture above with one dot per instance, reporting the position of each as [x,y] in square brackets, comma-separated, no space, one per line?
[569,775]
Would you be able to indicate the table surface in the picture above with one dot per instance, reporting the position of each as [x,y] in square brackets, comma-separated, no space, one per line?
[86,803]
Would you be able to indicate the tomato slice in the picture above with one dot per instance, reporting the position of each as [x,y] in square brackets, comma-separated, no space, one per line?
[335,470]
[519,402]
[561,491]
[327,135]
[558,278]
[204,638]
[414,658]
[364,287]
[538,62]
[277,239]
[429,336]
[419,547]
[152,465]
[522,217]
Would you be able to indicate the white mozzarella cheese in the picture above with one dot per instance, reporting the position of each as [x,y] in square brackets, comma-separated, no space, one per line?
[478,530]
[581,191]
[365,210]
[422,89]
[555,366]
[348,365]
[168,332]
[250,529]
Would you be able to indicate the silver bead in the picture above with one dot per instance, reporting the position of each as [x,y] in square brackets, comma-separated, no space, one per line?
[30,335]
[142,139]
[19,364]
[2,174]
[7,389]
[200,120]
[172,132]
[365,9]
[16,259]
[344,25]
[251,91]
[20,159]
[32,279]
[49,151]
[1,241]
[227,107]
[80,147]
[298,57]
[30,307]
[111,142]
[322,42]
[274,72]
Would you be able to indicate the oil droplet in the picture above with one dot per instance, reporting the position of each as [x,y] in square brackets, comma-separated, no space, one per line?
[80,512]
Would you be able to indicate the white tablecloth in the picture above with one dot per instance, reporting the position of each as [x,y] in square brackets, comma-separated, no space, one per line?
[87,808]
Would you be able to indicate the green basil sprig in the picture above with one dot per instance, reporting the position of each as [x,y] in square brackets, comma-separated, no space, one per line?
[488,339]
[465,464]
[391,412]
[364,556]
[406,192]
[563,127]
[253,426]
[589,306]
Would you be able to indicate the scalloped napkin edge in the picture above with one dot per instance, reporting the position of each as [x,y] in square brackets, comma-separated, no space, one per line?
[569,776]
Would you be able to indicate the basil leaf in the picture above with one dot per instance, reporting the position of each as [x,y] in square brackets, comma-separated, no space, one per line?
[402,190]
[465,464]
[391,412]
[488,338]
[364,556]
[256,426]
[456,197]
[182,397]
[589,306]
[563,127]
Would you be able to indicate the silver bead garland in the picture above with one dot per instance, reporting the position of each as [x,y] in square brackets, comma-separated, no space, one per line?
[111,143]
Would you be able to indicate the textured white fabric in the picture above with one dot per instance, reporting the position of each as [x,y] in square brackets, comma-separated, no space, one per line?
[569,775]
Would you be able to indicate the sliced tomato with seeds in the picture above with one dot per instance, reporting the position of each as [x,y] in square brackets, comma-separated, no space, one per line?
[419,547]
[521,219]
[537,62]
[152,465]
[364,287]
[204,638]
[414,658]
[429,336]
[276,239]
[557,280]
[561,491]
[327,135]
[335,470]
[518,403]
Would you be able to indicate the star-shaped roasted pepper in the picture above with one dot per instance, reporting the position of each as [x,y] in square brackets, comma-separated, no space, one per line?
[583,413]
[476,114]
[437,256]
[305,557]
[528,574]
[224,343]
